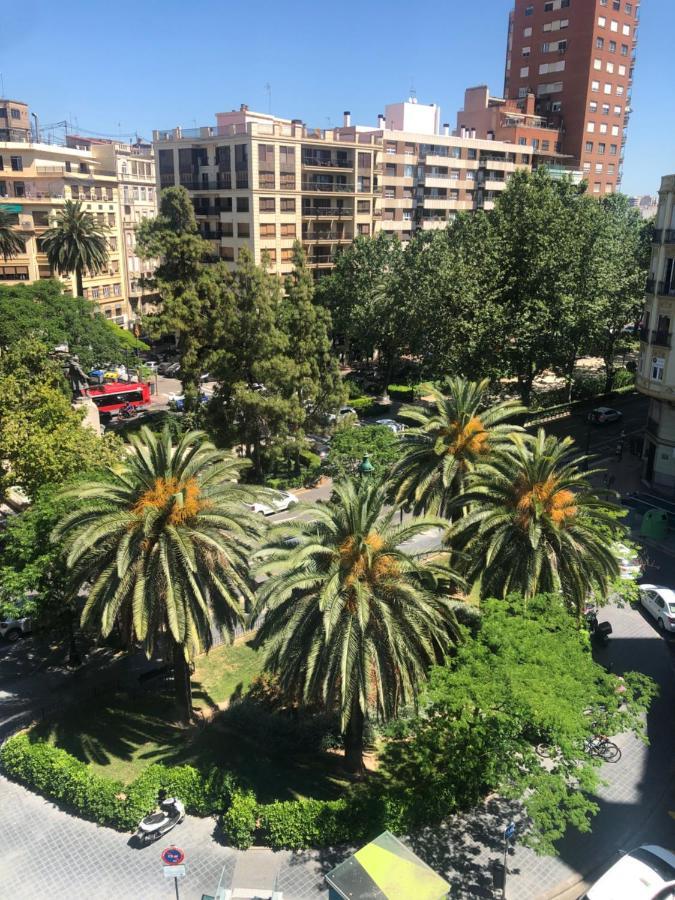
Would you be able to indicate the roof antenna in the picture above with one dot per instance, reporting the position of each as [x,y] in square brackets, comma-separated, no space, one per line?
[268,88]
[413,92]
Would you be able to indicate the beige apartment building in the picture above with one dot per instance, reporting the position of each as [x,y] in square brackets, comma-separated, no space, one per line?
[656,367]
[261,182]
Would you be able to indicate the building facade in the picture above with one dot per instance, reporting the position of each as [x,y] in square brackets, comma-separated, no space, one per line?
[656,367]
[260,182]
[577,58]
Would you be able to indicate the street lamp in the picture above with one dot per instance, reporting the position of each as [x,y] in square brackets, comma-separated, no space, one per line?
[366,467]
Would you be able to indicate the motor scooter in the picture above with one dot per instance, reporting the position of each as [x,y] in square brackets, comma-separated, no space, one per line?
[600,631]
[172,813]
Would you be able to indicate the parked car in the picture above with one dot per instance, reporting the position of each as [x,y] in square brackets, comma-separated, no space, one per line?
[12,629]
[163,368]
[277,505]
[630,564]
[660,603]
[151,364]
[601,415]
[641,874]
[391,424]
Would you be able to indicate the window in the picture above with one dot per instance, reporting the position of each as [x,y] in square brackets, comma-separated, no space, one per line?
[545,145]
[227,229]
[608,87]
[271,254]
[526,51]
[622,70]
[288,230]
[287,181]
[624,49]
[595,85]
[598,168]
[612,149]
[364,228]
[266,153]
[267,204]
[242,204]
[613,25]
[618,110]
[363,160]
[610,168]
[15,113]
[599,43]
[556,106]
[605,109]
[603,128]
[227,253]
[522,92]
[525,71]
[268,230]
[16,163]
[658,365]
[596,187]
[266,180]
[527,32]
[612,46]
[111,219]
[590,127]
[597,64]
[602,21]
[626,30]
[545,68]
[287,254]
[629,9]
[610,68]
[589,146]
[616,5]
[287,204]
[587,167]
[601,148]
[287,157]
[529,10]
[615,130]
[243,230]
[553,87]
[619,90]
[603,2]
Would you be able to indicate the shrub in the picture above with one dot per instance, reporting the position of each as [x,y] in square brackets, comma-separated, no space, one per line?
[239,822]
[364,406]
[295,824]
[623,378]
[401,393]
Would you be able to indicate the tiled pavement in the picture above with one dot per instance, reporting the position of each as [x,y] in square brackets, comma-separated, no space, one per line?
[46,852]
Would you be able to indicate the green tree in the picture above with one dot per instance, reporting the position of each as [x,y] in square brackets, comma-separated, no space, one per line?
[351,621]
[360,293]
[45,311]
[11,243]
[307,327]
[195,297]
[42,439]
[257,403]
[526,677]
[164,543]
[350,444]
[535,525]
[447,444]
[76,243]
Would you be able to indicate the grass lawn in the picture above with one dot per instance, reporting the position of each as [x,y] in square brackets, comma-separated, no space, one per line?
[118,736]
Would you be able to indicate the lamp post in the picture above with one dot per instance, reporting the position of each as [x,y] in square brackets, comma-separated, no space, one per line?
[365,466]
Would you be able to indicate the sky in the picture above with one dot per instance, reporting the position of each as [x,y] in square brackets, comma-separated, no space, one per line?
[133,65]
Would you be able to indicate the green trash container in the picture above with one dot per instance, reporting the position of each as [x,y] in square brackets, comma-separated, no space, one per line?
[654,524]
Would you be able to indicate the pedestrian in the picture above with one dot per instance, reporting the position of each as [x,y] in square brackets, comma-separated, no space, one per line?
[610,482]
[619,450]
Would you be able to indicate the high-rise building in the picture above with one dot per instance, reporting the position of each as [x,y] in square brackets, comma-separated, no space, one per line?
[261,182]
[656,366]
[577,58]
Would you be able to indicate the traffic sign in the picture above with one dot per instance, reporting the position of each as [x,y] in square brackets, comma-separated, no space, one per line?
[174,871]
[173,856]
[510,831]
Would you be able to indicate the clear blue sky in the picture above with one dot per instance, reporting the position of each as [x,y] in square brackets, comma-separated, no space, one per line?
[133,66]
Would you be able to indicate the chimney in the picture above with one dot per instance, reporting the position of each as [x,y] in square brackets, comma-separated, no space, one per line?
[490,135]
[347,118]
[380,121]
[473,133]
[243,107]
[446,128]
[462,132]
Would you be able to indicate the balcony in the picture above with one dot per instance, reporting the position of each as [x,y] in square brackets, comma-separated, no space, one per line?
[650,286]
[669,236]
[327,187]
[657,234]
[665,289]
[197,184]
[644,334]
[326,212]
[321,259]
[661,338]
[314,162]
[49,170]
[326,236]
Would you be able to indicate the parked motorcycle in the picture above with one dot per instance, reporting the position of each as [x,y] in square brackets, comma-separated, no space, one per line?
[599,631]
[157,824]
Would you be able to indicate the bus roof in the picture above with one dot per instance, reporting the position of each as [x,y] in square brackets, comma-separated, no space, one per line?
[116,387]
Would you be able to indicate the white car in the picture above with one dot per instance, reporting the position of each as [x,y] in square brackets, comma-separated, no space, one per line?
[13,629]
[391,424]
[277,505]
[643,874]
[630,564]
[659,602]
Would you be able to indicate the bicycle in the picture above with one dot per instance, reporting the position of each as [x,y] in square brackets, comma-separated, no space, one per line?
[602,748]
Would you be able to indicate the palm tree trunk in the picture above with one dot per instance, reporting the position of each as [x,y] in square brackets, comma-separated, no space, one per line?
[182,685]
[79,282]
[353,741]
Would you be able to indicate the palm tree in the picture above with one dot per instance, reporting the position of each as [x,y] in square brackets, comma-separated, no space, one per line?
[77,242]
[448,443]
[348,618]
[534,525]
[11,244]
[163,541]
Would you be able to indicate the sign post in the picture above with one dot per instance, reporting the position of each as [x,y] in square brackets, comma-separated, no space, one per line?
[173,857]
[509,838]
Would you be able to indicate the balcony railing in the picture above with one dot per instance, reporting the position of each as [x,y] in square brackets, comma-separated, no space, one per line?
[644,334]
[332,188]
[327,211]
[657,234]
[650,286]
[326,236]
[327,163]
[665,289]
[196,184]
[669,236]
[49,170]
[322,259]
[661,338]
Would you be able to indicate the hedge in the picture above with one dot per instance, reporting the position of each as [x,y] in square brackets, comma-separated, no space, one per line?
[56,774]
[292,824]
[401,393]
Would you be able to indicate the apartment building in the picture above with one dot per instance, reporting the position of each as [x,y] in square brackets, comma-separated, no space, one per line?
[656,366]
[429,175]
[262,182]
[577,59]
[134,168]
[14,121]
[35,181]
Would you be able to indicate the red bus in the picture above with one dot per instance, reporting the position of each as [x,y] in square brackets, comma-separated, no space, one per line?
[111,398]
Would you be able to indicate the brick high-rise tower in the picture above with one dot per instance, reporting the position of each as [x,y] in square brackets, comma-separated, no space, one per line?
[577,57]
